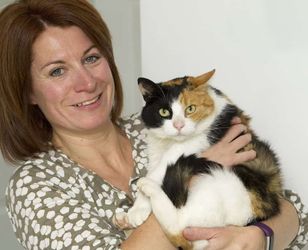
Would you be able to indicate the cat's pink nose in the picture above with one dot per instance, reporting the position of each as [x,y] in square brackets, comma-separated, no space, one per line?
[178,125]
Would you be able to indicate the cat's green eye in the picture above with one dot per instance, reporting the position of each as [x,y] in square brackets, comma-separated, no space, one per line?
[164,112]
[190,109]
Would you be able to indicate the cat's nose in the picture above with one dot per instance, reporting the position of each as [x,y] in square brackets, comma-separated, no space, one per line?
[178,125]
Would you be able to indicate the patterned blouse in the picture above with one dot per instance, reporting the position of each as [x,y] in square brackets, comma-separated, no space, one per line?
[53,203]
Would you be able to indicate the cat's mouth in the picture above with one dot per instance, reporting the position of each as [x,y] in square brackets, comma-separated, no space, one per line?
[179,136]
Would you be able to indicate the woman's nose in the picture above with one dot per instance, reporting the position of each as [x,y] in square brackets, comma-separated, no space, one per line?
[84,80]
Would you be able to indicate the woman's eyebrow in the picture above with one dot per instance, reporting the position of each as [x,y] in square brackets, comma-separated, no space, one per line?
[60,61]
[91,47]
[53,62]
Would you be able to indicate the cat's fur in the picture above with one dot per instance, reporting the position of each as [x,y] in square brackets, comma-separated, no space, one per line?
[177,133]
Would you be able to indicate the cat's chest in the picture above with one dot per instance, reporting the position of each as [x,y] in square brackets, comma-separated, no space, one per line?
[168,152]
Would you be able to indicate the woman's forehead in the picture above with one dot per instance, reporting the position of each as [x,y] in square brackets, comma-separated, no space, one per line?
[57,43]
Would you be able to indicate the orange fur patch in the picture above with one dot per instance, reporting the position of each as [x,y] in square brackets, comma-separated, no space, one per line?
[257,204]
[202,79]
[173,82]
[180,241]
[199,97]
[245,119]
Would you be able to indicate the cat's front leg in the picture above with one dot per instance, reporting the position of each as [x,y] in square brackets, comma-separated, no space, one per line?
[149,187]
[136,215]
[167,214]
[162,207]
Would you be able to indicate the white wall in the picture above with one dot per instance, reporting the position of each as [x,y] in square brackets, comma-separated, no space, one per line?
[122,18]
[4,2]
[260,51]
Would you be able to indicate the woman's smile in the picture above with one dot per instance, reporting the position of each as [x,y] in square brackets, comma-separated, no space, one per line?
[89,103]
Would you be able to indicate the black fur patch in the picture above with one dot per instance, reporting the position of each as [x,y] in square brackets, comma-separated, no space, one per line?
[162,97]
[178,176]
[217,91]
[222,123]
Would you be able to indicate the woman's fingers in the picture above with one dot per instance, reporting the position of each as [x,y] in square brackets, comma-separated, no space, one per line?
[240,142]
[241,157]
[234,132]
[236,120]
[227,150]
[199,233]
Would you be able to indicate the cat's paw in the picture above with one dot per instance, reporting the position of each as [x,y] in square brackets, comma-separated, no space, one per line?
[148,187]
[120,220]
[134,217]
[137,215]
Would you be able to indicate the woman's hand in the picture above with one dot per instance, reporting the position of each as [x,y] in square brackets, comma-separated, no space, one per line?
[228,238]
[226,150]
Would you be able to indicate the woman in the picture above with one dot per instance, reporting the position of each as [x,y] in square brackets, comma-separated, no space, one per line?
[61,99]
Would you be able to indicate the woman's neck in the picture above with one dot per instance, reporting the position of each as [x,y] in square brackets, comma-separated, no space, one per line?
[107,152]
[108,146]
[77,144]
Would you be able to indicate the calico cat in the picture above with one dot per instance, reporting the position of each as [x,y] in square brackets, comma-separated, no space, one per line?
[185,116]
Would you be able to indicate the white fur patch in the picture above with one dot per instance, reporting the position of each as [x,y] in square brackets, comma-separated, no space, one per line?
[214,200]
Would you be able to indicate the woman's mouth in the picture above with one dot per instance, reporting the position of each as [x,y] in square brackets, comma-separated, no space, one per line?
[88,102]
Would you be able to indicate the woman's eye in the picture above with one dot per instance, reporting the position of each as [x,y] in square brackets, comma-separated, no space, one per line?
[56,72]
[164,112]
[190,109]
[91,59]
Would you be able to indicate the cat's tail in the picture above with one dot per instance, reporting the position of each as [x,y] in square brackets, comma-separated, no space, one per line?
[262,178]
[178,176]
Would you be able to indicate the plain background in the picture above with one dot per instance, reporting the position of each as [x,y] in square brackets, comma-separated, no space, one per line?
[258,47]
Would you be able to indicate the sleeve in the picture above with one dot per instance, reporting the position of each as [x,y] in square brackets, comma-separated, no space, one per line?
[46,214]
[302,236]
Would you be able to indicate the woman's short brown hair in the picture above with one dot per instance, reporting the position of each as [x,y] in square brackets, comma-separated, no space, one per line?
[24,130]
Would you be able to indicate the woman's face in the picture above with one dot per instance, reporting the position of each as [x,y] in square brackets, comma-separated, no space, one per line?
[71,81]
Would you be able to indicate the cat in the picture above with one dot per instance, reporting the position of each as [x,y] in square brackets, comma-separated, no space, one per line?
[183,117]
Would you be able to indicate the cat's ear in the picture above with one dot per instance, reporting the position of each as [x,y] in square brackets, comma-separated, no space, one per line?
[202,79]
[146,87]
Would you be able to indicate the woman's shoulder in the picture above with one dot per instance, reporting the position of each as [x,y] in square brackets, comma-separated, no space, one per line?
[50,168]
[51,187]
[132,124]
[133,119]
[302,235]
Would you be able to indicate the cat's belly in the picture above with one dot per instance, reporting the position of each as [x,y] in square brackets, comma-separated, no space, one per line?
[216,200]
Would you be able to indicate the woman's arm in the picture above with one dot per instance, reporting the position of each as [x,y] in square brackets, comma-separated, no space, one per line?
[285,225]
[148,236]
[301,238]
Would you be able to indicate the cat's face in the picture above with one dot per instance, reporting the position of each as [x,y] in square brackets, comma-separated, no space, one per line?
[178,108]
